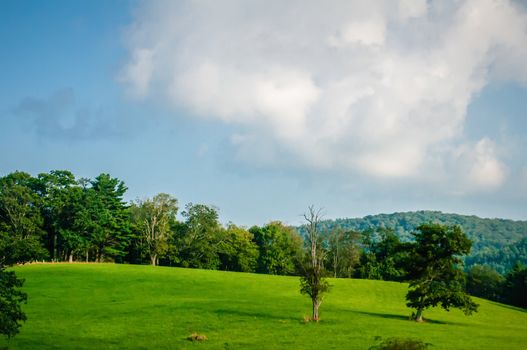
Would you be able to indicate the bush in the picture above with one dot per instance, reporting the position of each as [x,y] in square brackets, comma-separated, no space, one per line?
[400,344]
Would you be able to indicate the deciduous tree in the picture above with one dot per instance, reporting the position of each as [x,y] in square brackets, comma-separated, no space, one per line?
[154,218]
[279,248]
[484,282]
[516,286]
[11,298]
[436,278]
[237,251]
[344,252]
[197,240]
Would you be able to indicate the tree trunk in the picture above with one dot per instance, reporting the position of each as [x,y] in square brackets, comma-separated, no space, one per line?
[335,263]
[316,305]
[153,259]
[419,315]
[54,248]
[70,258]
[87,255]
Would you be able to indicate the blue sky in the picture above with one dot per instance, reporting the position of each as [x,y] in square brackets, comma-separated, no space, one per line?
[263,108]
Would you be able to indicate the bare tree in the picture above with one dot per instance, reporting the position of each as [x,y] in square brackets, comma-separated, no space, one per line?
[313,281]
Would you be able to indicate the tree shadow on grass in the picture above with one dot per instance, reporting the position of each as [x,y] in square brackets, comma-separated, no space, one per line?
[401,317]
[255,314]
[382,315]
[511,307]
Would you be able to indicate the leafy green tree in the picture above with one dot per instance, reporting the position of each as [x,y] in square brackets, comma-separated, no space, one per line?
[484,282]
[197,240]
[20,220]
[433,266]
[11,297]
[61,198]
[516,286]
[154,218]
[20,241]
[385,256]
[237,251]
[312,279]
[369,266]
[279,248]
[344,252]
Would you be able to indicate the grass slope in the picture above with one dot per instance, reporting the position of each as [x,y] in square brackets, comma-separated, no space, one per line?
[109,306]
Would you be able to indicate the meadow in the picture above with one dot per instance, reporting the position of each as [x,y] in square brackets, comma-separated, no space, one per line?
[109,306]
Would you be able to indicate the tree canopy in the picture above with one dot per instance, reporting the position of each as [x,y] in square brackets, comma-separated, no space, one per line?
[436,278]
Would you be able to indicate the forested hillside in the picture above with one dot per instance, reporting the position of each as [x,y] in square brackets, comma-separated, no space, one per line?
[497,242]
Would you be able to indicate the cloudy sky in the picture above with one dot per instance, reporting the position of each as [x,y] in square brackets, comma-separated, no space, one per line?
[262,108]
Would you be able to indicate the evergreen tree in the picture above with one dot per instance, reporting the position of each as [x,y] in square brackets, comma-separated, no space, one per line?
[106,218]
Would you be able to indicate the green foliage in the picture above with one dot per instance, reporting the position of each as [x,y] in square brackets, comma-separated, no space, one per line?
[498,243]
[385,257]
[60,195]
[10,299]
[237,251]
[344,252]
[435,278]
[395,343]
[197,240]
[153,220]
[109,228]
[502,258]
[279,248]
[485,282]
[20,220]
[516,286]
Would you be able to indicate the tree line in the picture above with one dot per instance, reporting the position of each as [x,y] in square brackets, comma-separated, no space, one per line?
[498,243]
[57,217]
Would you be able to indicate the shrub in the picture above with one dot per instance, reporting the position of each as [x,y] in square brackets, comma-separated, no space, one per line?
[400,344]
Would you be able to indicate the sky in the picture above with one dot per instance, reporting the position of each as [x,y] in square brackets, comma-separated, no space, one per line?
[262,108]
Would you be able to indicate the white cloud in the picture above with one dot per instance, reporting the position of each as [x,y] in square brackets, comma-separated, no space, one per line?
[377,88]
[138,73]
[360,32]
[478,167]
[411,9]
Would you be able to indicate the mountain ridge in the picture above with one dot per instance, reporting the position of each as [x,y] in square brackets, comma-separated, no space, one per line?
[497,242]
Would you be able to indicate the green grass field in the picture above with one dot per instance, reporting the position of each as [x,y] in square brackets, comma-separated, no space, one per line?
[106,306]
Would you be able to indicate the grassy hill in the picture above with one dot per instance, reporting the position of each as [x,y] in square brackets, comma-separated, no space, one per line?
[106,306]
[498,243]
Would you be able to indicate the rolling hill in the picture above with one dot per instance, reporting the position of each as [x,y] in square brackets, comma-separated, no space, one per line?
[109,306]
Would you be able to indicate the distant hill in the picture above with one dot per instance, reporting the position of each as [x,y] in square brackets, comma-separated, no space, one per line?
[497,242]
